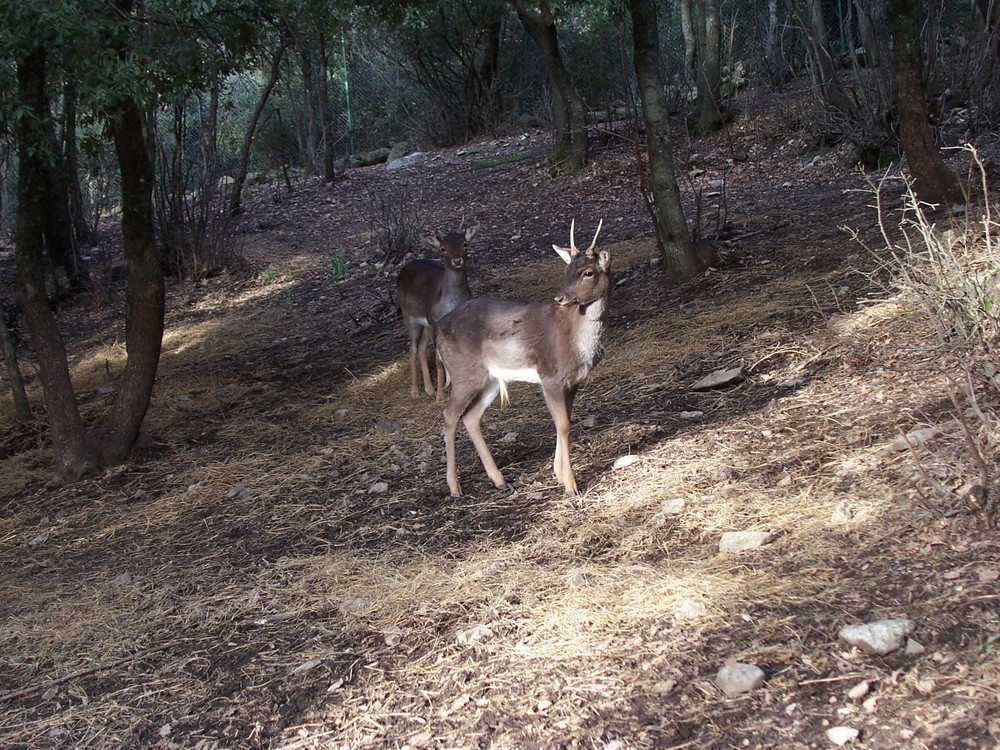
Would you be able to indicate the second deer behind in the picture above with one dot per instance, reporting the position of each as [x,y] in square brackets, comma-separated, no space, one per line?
[427,291]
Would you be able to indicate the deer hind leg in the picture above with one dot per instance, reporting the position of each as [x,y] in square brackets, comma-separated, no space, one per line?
[424,337]
[473,414]
[560,403]
[418,347]
[465,396]
[441,376]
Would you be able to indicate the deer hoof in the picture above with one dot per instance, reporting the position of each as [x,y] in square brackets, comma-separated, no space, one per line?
[572,492]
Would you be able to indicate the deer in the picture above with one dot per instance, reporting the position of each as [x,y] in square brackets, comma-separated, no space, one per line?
[487,342]
[428,290]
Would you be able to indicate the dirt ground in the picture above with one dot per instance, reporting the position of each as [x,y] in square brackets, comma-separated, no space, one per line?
[281,565]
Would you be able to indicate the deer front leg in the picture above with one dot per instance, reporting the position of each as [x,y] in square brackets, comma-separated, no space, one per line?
[560,403]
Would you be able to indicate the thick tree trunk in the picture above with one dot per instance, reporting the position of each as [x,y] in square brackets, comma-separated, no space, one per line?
[144,302]
[672,234]
[569,151]
[65,424]
[708,76]
[990,12]
[248,138]
[933,182]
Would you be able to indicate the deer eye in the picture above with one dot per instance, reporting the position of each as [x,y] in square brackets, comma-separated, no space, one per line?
[588,274]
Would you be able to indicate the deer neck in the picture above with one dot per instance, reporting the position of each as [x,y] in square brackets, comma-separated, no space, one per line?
[587,327]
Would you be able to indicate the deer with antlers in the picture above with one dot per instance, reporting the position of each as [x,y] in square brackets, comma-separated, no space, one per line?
[485,342]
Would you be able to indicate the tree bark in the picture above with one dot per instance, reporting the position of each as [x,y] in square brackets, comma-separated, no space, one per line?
[569,151]
[873,26]
[325,115]
[21,406]
[672,234]
[144,301]
[82,231]
[308,98]
[690,37]
[248,138]
[831,92]
[777,45]
[708,76]
[65,424]
[933,182]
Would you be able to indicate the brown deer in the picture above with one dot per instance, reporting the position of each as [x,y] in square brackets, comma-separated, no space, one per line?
[486,342]
[427,291]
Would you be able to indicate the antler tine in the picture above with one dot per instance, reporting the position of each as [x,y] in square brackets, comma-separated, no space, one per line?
[572,242]
[593,244]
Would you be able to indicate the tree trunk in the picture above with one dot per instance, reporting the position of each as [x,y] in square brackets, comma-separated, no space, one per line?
[144,301]
[325,115]
[777,45]
[489,72]
[933,182]
[831,91]
[309,109]
[672,234]
[59,236]
[244,163]
[569,151]
[690,38]
[990,12]
[708,77]
[873,26]
[65,424]
[21,406]
[82,231]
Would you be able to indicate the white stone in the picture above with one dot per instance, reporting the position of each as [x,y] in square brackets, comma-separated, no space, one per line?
[739,541]
[673,507]
[736,679]
[880,638]
[840,736]
[622,461]
[859,691]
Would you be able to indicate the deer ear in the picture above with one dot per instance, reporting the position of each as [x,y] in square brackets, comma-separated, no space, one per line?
[564,252]
[434,241]
[470,232]
[604,260]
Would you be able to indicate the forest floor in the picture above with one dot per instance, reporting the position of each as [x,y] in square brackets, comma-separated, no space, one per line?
[281,566]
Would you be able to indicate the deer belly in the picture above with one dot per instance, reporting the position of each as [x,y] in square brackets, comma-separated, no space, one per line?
[518,374]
